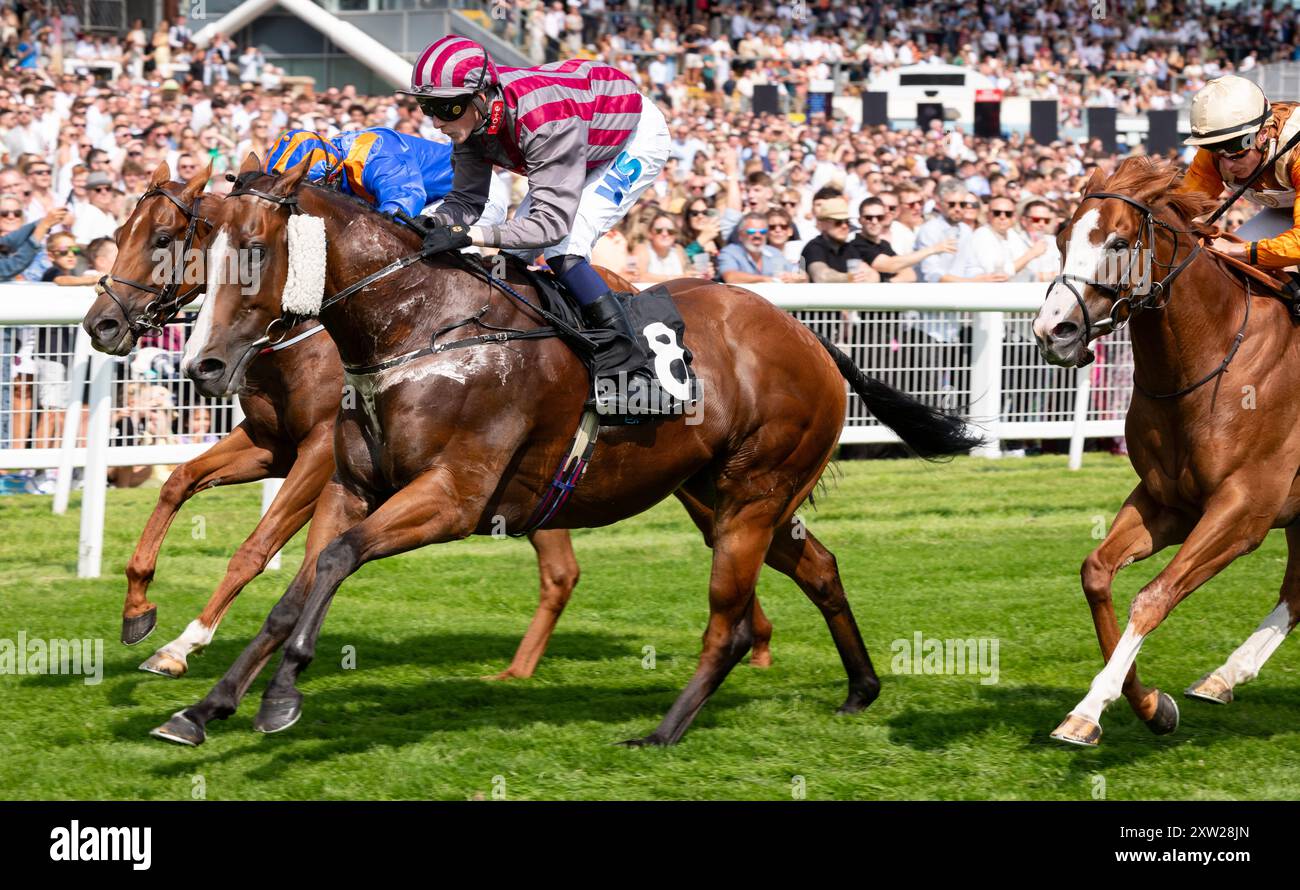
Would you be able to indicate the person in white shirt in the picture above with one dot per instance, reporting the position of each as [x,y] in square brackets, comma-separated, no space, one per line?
[98,219]
[1037,226]
[991,253]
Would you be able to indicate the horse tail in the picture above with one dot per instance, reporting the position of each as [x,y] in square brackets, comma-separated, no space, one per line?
[926,431]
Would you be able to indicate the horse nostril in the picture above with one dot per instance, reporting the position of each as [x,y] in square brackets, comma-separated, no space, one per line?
[105,328]
[209,368]
[1066,330]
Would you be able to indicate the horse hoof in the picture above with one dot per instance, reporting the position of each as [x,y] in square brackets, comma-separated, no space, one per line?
[859,699]
[277,714]
[1076,730]
[1211,688]
[164,664]
[761,658]
[135,630]
[507,674]
[1165,720]
[181,730]
[653,740]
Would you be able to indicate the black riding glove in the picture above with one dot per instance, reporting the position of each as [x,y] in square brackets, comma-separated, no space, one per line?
[443,238]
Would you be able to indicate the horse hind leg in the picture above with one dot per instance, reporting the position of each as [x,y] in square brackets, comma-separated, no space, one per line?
[1244,664]
[558,570]
[692,497]
[741,537]
[797,553]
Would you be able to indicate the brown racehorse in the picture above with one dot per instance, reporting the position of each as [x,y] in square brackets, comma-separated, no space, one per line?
[1213,429]
[452,443]
[290,399]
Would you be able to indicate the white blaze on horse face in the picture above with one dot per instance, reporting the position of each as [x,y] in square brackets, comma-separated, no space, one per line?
[220,255]
[1082,258]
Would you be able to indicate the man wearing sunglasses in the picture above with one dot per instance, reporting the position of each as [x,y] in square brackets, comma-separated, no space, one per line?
[586,139]
[878,253]
[751,259]
[393,171]
[1236,129]
[949,224]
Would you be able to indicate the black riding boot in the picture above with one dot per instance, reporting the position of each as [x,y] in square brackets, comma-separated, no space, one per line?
[621,389]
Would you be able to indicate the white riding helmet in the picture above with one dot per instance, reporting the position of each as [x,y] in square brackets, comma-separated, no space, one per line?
[1229,109]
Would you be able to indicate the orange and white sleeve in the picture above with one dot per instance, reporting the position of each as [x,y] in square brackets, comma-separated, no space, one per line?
[1284,250]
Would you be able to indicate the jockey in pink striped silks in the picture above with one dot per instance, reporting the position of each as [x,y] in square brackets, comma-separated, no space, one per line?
[587,140]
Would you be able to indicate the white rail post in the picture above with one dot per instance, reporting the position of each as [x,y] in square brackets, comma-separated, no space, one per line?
[94,493]
[986,380]
[1082,395]
[71,421]
[270,488]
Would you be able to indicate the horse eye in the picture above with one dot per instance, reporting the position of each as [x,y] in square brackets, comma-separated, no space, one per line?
[162,240]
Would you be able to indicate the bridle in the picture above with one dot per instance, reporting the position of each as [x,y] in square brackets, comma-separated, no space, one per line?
[1126,305]
[168,299]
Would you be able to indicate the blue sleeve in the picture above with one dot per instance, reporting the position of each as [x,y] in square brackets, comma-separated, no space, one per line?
[23,251]
[728,261]
[395,183]
[436,169]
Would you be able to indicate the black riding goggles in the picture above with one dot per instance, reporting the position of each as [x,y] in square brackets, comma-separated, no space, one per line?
[444,109]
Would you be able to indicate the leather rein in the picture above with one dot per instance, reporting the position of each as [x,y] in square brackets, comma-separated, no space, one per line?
[1126,306]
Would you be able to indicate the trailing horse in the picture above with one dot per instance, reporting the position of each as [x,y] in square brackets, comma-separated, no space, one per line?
[458,441]
[290,398]
[1213,430]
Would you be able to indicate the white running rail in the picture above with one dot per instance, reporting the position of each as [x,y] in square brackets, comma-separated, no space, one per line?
[966,347]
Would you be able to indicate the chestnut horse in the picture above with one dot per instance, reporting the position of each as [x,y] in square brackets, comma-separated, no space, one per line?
[452,443]
[290,399]
[1213,429]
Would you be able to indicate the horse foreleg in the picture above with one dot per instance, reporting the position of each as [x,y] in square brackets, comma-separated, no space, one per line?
[1234,523]
[338,509]
[1244,664]
[557,567]
[232,460]
[289,512]
[431,508]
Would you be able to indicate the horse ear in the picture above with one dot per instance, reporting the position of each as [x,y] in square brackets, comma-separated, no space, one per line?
[195,186]
[287,183]
[252,164]
[1095,181]
[162,174]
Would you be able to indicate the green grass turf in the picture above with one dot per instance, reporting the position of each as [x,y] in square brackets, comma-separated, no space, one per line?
[970,549]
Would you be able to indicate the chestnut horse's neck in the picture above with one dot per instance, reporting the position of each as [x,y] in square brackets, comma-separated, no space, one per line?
[384,319]
[1195,328]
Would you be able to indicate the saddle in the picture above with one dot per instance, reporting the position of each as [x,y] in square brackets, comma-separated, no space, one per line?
[661,358]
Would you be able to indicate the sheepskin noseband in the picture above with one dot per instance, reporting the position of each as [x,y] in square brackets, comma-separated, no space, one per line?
[304,285]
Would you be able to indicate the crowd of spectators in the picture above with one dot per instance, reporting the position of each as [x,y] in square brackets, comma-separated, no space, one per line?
[86,119]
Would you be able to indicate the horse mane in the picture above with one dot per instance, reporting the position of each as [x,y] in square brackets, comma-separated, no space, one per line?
[1156,182]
